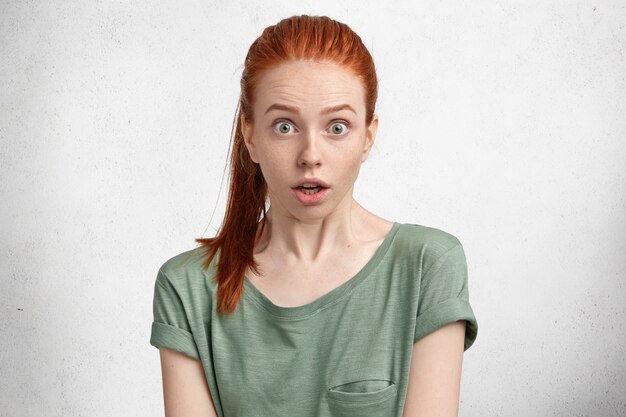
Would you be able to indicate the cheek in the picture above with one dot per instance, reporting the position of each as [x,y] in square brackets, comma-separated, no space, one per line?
[346,169]
[272,159]
[274,166]
[352,157]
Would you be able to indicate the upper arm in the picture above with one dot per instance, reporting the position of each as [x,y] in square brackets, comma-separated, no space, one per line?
[435,373]
[185,389]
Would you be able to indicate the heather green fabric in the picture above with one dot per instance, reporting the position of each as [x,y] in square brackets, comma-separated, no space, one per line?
[345,354]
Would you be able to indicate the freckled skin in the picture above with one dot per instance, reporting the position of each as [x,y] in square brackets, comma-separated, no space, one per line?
[309,144]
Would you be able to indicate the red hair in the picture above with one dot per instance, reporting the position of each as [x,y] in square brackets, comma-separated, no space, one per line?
[314,38]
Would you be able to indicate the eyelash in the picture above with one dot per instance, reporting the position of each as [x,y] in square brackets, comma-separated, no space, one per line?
[334,121]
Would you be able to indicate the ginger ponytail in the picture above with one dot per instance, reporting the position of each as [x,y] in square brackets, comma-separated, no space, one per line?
[236,236]
[303,37]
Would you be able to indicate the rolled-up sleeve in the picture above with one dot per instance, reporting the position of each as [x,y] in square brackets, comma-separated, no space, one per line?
[170,326]
[444,296]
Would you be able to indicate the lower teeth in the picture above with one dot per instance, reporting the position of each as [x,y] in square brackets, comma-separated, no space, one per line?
[310,191]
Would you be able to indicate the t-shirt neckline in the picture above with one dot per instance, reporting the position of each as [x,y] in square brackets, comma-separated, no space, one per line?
[302,311]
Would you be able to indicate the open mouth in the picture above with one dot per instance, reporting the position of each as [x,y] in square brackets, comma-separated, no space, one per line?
[310,190]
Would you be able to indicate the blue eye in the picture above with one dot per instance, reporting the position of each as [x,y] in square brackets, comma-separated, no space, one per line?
[283,126]
[343,126]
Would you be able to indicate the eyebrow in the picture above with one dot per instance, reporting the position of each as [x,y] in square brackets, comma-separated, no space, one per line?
[295,110]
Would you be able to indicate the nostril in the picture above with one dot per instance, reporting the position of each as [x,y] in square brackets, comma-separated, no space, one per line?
[311,163]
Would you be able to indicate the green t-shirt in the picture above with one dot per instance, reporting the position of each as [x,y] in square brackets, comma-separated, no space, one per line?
[347,353]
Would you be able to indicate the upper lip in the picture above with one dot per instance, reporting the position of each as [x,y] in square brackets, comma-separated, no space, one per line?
[311,180]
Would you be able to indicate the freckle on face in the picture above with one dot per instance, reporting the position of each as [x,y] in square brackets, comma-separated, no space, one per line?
[285,157]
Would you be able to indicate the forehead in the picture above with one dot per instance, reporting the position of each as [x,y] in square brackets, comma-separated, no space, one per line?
[309,85]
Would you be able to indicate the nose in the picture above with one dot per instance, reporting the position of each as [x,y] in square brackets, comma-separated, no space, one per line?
[310,154]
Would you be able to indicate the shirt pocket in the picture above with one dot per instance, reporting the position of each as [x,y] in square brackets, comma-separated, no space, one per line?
[363,398]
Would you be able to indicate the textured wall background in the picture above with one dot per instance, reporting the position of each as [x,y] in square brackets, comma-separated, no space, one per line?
[500,122]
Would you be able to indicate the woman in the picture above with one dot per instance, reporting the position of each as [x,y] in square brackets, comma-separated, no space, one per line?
[315,306]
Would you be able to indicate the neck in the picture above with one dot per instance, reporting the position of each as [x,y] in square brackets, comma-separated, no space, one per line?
[308,240]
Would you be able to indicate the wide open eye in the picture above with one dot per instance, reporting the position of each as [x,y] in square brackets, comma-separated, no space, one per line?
[283,127]
[339,128]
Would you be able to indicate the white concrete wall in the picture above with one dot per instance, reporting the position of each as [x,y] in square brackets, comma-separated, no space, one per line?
[505,121]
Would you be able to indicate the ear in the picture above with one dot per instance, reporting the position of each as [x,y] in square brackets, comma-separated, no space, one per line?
[370,135]
[246,130]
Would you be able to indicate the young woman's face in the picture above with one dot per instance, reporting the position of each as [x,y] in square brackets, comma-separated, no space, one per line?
[309,121]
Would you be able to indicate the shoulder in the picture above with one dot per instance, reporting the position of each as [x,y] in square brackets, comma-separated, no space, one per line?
[187,269]
[434,240]
[425,244]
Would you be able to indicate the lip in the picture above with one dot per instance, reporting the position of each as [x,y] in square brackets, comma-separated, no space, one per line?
[309,199]
[311,180]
